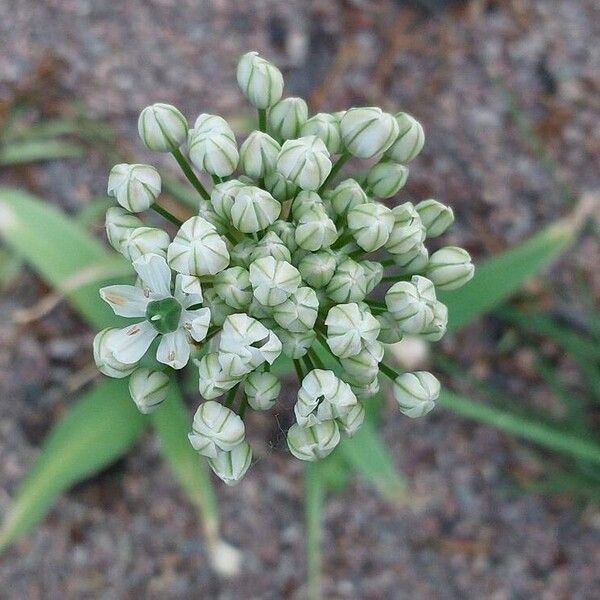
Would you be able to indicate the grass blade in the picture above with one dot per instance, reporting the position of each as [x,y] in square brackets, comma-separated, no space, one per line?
[19,153]
[314,499]
[94,433]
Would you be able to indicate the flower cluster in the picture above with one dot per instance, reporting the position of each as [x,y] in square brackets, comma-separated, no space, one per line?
[285,257]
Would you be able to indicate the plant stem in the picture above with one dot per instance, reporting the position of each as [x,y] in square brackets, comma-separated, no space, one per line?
[298,368]
[341,161]
[388,371]
[163,212]
[262,119]
[314,497]
[388,262]
[243,406]
[189,173]
[231,396]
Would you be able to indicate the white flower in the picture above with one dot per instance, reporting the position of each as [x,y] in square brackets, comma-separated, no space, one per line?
[299,312]
[351,422]
[260,81]
[223,195]
[162,127]
[317,268]
[135,187]
[363,368]
[435,217]
[410,140]
[213,379]
[148,389]
[450,268]
[407,233]
[348,328]
[212,146]
[104,358]
[385,179]
[262,390]
[411,303]
[296,344]
[215,428]
[416,393]
[315,230]
[258,154]
[166,314]
[327,128]
[253,209]
[232,465]
[198,249]
[285,118]
[313,443]
[119,225]
[371,225]
[348,284]
[305,162]
[346,196]
[233,286]
[273,281]
[367,132]
[144,240]
[271,245]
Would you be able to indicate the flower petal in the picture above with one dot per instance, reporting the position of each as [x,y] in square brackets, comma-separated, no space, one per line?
[188,290]
[128,345]
[196,322]
[125,300]
[155,273]
[174,349]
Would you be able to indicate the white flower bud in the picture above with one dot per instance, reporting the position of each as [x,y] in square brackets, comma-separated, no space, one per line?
[119,225]
[260,81]
[391,330]
[281,188]
[367,132]
[223,196]
[348,328]
[299,312]
[198,249]
[436,330]
[412,262]
[286,233]
[241,253]
[145,240]
[253,209]
[231,466]
[373,274]
[162,127]
[317,268]
[296,344]
[219,310]
[351,422]
[410,140]
[366,391]
[410,303]
[207,212]
[305,202]
[450,268]
[408,233]
[327,128]
[258,154]
[135,187]
[348,283]
[104,358]
[271,245]
[370,225]
[363,368]
[315,230]
[148,389]
[262,390]
[233,286]
[215,428]
[346,196]
[386,178]
[435,217]
[416,393]
[273,281]
[213,380]
[212,146]
[305,162]
[313,443]
[285,118]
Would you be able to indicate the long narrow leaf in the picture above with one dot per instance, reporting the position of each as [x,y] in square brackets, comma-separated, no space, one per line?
[95,432]
[19,153]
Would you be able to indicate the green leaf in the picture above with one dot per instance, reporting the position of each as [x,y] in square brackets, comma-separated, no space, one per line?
[544,435]
[18,153]
[59,250]
[501,276]
[314,499]
[95,432]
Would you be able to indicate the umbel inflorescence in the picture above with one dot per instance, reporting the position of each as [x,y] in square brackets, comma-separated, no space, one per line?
[285,257]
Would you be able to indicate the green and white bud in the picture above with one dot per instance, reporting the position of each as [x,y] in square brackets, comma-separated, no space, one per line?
[366,391]
[346,196]
[371,225]
[305,202]
[435,217]
[258,154]
[198,249]
[223,196]
[373,273]
[281,189]
[215,428]
[313,443]
[299,312]
[410,140]
[135,187]
[286,233]
[413,262]
[408,233]
[349,424]
[241,253]
[391,330]
[450,268]
[212,146]
[231,466]
[145,240]
[260,81]
[219,310]
[162,127]
[104,358]
[369,131]
[119,226]
[385,179]
[315,230]
[296,344]
[148,389]
[305,162]
[348,284]
[262,390]
[273,281]
[253,209]
[363,368]
[285,119]
[416,393]
[317,268]
[349,328]
[233,286]
[271,245]
[213,380]
[410,303]
[327,128]
[436,330]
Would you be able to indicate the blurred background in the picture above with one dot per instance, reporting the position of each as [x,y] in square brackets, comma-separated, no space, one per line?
[508,94]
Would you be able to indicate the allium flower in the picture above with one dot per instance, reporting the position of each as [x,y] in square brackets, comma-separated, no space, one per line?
[284,257]
[167,314]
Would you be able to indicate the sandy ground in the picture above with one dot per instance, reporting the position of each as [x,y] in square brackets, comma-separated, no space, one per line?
[467,531]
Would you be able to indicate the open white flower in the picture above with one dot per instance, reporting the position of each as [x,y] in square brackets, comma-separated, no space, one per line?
[166,314]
